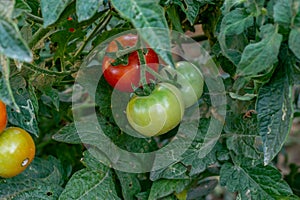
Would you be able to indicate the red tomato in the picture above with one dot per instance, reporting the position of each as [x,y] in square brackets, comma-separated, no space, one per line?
[123,76]
[3,116]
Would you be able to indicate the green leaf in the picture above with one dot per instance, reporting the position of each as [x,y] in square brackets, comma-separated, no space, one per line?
[67,134]
[174,18]
[175,171]
[87,9]
[192,10]
[52,9]
[148,17]
[243,137]
[41,180]
[229,4]
[203,188]
[202,152]
[294,43]
[25,118]
[163,188]
[11,43]
[90,184]
[260,56]
[92,163]
[50,95]
[275,112]
[254,181]
[130,184]
[6,8]
[234,23]
[283,12]
[20,7]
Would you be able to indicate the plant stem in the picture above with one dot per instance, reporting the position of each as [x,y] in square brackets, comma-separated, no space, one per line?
[143,66]
[160,77]
[46,71]
[102,24]
[38,36]
[34,18]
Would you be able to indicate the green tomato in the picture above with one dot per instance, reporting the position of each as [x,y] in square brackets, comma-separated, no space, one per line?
[17,150]
[157,113]
[190,79]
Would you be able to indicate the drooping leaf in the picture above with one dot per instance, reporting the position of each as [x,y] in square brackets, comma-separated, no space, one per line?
[254,181]
[90,184]
[275,111]
[86,9]
[233,24]
[52,9]
[294,43]
[11,43]
[259,57]
[148,17]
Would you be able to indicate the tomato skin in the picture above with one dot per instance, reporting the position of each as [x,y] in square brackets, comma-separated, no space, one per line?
[157,113]
[3,116]
[17,150]
[122,77]
[190,79]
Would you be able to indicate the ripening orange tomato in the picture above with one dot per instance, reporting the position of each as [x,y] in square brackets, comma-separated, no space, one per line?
[3,116]
[17,150]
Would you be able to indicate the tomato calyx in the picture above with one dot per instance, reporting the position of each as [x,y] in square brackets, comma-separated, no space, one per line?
[144,90]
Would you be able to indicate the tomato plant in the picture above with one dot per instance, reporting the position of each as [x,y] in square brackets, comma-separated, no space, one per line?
[123,76]
[17,150]
[68,87]
[189,79]
[156,113]
[3,116]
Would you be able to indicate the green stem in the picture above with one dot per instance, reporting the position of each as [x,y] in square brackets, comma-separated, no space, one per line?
[102,24]
[38,36]
[46,71]
[34,18]
[160,77]
[143,66]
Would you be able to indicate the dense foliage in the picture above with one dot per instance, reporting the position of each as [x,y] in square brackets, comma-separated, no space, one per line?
[255,45]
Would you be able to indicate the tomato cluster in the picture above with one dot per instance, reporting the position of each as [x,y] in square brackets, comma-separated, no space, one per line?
[17,148]
[160,111]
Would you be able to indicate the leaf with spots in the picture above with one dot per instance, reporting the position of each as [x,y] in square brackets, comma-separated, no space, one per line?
[43,179]
[26,118]
[275,112]
[254,181]
[90,184]
[129,183]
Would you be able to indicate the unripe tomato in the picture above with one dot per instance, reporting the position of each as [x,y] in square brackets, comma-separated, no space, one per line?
[157,113]
[123,76]
[190,79]
[17,150]
[3,116]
